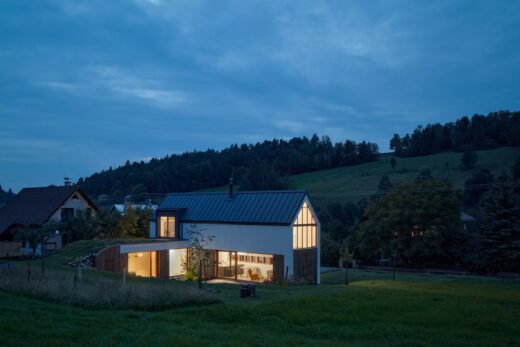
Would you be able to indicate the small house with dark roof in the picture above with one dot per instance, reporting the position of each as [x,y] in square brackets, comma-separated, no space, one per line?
[34,207]
[260,236]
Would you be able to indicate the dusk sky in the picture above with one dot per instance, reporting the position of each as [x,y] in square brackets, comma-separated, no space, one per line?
[85,85]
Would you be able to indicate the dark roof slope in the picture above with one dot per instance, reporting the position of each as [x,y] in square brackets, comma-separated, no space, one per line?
[262,207]
[34,206]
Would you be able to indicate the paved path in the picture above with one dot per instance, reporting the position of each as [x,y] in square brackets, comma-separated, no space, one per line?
[325,269]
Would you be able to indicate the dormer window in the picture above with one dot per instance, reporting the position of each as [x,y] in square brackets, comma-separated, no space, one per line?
[167,226]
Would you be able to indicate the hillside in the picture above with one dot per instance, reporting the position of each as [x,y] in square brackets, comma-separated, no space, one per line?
[352,183]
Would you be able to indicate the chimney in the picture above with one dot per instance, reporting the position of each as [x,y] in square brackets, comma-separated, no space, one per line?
[66,181]
[231,187]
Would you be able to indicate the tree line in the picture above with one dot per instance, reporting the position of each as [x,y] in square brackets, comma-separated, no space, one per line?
[264,165]
[419,224]
[478,132]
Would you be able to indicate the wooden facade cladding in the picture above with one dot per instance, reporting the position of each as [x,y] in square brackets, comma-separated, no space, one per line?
[278,268]
[111,259]
[163,266]
[306,265]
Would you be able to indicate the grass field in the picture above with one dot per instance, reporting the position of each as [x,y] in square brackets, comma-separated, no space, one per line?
[373,310]
[352,183]
[356,182]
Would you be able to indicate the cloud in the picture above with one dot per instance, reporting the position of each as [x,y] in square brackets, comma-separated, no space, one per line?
[92,76]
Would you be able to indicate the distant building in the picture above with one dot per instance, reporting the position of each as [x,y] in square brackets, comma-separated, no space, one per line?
[33,207]
[466,220]
[122,208]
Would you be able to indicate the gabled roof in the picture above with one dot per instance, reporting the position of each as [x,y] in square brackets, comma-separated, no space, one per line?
[466,217]
[262,207]
[34,206]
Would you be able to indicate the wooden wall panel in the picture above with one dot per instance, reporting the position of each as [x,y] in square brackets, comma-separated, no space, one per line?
[305,265]
[163,265]
[278,268]
[110,259]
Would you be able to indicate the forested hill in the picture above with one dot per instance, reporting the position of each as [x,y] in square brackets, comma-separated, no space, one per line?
[264,165]
[479,132]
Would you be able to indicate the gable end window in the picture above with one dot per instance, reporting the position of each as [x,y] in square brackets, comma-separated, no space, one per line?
[67,214]
[167,227]
[305,229]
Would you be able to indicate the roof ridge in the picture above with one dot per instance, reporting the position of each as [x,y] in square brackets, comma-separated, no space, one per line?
[241,192]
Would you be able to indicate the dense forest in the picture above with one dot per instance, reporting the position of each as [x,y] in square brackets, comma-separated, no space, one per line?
[478,132]
[263,165]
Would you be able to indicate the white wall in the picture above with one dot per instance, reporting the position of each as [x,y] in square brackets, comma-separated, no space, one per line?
[265,239]
[76,204]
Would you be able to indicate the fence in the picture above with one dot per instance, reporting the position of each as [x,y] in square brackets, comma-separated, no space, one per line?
[10,249]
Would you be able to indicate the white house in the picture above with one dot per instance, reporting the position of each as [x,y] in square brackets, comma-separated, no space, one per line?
[257,236]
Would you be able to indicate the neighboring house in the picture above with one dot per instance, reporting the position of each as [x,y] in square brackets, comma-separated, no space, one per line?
[122,208]
[34,207]
[257,236]
[466,220]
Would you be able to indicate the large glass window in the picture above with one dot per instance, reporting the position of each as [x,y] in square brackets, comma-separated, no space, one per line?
[143,264]
[255,267]
[305,229]
[178,259]
[167,226]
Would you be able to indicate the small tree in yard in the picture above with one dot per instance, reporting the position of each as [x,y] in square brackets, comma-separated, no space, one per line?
[393,162]
[198,256]
[36,236]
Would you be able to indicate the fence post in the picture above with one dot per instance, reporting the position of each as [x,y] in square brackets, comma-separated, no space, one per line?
[43,267]
[124,280]
[79,273]
[346,276]
[29,272]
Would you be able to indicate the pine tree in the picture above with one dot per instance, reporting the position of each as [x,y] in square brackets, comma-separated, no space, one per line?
[500,229]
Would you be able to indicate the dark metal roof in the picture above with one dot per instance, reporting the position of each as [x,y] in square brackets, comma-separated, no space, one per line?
[466,217]
[34,206]
[262,207]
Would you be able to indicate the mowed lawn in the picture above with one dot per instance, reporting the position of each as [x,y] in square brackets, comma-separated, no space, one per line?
[372,310]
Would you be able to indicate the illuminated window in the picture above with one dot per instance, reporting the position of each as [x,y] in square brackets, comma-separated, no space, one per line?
[305,229]
[143,264]
[167,227]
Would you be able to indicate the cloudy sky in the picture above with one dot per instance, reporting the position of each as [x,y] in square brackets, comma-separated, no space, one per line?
[89,84]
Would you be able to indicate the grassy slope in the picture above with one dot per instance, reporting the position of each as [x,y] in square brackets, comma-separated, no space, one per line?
[412,311]
[415,310]
[352,183]
[356,181]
